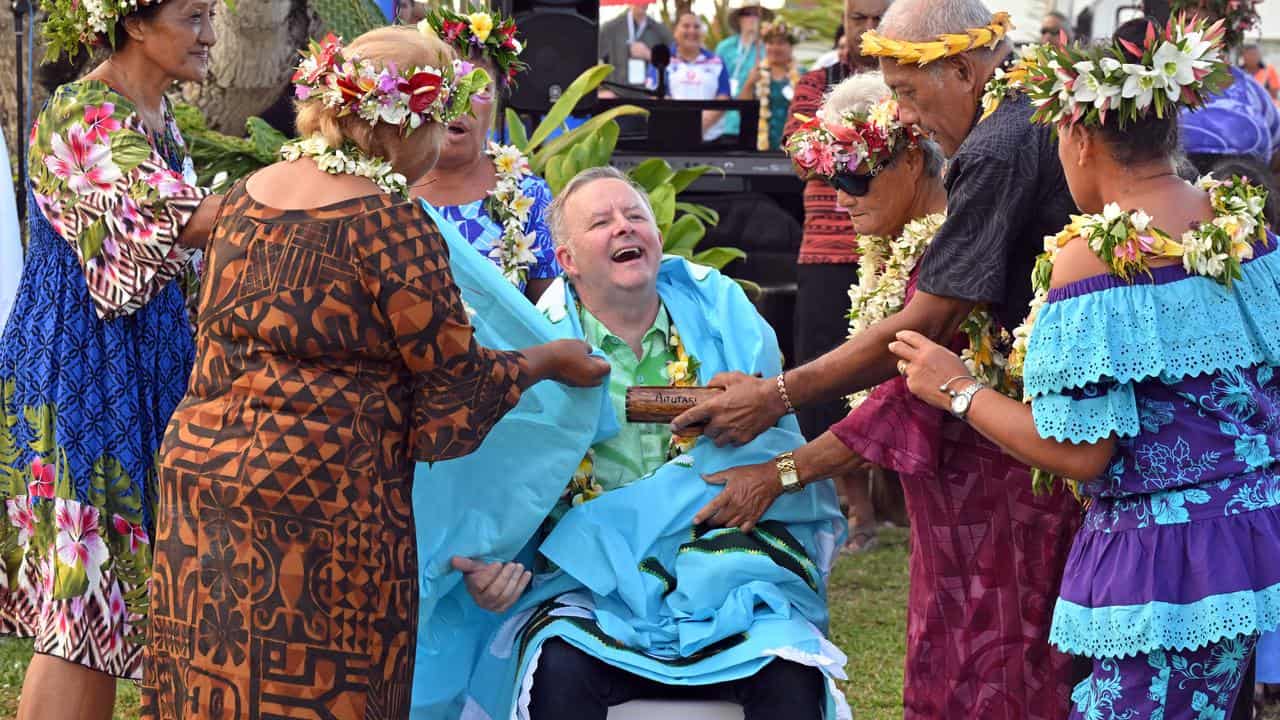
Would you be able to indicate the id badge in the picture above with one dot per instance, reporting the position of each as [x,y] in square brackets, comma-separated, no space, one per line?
[636,71]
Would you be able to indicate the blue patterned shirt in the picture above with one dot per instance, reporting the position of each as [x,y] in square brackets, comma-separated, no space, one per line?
[481,231]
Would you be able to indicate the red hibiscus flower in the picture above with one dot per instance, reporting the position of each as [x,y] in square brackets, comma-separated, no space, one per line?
[42,479]
[453,28]
[98,121]
[845,134]
[136,533]
[423,89]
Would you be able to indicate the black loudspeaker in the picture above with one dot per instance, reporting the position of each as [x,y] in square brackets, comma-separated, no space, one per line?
[561,40]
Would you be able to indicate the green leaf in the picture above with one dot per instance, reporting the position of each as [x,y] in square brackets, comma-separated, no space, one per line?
[91,238]
[516,132]
[606,143]
[663,200]
[651,173]
[702,212]
[555,174]
[685,177]
[41,420]
[349,19]
[589,80]
[562,142]
[266,139]
[718,257]
[129,150]
[752,290]
[110,488]
[683,236]
[70,581]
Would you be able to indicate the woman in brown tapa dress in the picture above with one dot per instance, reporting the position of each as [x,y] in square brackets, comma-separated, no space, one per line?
[333,351]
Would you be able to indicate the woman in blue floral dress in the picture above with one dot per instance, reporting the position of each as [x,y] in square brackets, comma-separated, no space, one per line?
[97,350]
[1151,362]
[484,188]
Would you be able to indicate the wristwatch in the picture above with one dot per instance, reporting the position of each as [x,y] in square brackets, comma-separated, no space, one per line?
[960,401]
[787,475]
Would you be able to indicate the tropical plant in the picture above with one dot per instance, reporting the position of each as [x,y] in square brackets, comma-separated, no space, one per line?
[818,19]
[221,158]
[348,19]
[683,225]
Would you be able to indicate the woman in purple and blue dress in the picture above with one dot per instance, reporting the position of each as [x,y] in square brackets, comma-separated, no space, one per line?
[1153,374]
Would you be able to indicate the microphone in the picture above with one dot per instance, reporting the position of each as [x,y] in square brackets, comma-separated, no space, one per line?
[660,58]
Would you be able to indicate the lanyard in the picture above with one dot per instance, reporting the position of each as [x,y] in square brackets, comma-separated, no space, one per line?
[632,31]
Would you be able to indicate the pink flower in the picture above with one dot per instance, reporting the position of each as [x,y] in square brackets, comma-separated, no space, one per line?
[42,480]
[62,620]
[99,123]
[79,540]
[167,182]
[86,166]
[22,518]
[136,533]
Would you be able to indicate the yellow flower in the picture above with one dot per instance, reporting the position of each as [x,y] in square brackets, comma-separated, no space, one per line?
[522,205]
[481,25]
[505,164]
[678,371]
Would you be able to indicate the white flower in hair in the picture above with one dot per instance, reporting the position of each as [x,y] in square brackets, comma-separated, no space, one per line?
[1176,66]
[1142,84]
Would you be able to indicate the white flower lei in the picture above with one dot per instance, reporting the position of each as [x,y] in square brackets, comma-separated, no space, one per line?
[763,78]
[884,271]
[347,160]
[513,250]
[1123,240]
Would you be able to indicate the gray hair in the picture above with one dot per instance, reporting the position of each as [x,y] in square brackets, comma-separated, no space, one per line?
[921,20]
[556,219]
[857,94]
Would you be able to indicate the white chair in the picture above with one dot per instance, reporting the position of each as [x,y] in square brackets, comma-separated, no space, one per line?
[675,710]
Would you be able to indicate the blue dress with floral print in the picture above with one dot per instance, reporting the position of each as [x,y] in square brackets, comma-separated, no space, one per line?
[481,231]
[1178,549]
[93,361]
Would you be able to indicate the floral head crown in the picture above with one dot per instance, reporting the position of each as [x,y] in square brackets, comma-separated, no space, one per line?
[1238,16]
[922,53]
[779,30]
[72,24]
[491,35]
[862,143]
[405,98]
[1178,67]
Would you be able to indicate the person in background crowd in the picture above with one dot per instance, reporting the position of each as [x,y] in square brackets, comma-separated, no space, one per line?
[1240,119]
[98,349]
[828,263]
[1168,426]
[987,653]
[1055,29]
[773,83]
[410,12]
[742,52]
[1251,62]
[626,42]
[486,190]
[839,48]
[696,73]
[333,352]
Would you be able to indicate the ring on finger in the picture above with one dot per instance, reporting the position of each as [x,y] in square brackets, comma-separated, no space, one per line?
[902,367]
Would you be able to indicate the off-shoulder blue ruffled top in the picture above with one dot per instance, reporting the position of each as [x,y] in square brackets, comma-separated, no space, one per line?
[1179,545]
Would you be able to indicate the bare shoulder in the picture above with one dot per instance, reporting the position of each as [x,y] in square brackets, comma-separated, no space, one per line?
[1076,262]
[300,185]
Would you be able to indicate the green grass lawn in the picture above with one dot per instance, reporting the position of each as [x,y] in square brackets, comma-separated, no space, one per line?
[868,621]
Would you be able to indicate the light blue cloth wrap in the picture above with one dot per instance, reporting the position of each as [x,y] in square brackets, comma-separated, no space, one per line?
[757,598]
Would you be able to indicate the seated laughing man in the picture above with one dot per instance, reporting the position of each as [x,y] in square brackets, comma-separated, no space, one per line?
[632,601]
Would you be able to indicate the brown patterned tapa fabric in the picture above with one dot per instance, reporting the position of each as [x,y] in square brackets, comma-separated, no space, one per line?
[333,350]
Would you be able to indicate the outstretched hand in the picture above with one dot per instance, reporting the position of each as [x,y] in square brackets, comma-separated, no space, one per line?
[748,406]
[494,586]
[926,366]
[748,493]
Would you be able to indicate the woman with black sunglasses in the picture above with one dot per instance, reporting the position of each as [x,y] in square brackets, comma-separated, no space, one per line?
[977,621]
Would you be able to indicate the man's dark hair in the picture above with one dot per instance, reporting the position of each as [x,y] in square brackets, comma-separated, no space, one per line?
[839,34]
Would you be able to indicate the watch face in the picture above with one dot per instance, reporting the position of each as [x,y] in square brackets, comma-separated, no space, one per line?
[959,404]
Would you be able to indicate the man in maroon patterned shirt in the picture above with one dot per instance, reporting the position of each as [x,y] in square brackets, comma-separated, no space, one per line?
[828,263]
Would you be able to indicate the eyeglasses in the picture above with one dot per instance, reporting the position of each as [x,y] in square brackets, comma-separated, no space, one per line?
[855,185]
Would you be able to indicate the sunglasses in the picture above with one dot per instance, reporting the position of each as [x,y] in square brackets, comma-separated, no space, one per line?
[855,185]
